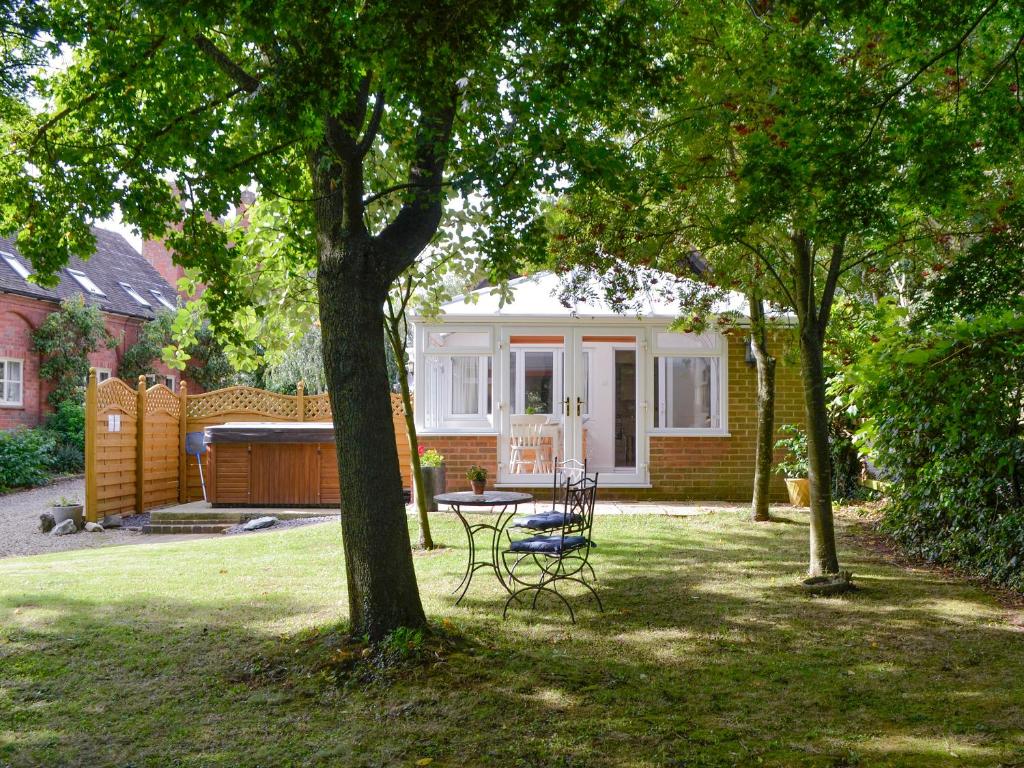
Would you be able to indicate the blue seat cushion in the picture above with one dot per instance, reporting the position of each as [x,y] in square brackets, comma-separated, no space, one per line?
[549,544]
[546,520]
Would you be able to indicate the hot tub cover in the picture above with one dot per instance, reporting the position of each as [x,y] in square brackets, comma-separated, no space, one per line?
[270,432]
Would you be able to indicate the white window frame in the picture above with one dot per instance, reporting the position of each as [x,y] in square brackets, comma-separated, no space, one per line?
[482,416]
[85,282]
[159,296]
[138,298]
[20,402]
[480,423]
[171,383]
[710,345]
[102,374]
[16,265]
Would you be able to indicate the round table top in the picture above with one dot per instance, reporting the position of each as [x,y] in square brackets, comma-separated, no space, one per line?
[489,499]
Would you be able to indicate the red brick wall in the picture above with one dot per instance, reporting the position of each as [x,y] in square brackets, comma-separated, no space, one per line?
[682,468]
[463,451]
[19,316]
[162,259]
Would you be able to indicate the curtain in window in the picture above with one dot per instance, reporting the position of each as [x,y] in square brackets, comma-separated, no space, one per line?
[432,392]
[466,386]
[10,381]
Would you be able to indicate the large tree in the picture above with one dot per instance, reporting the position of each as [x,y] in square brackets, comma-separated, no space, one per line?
[365,116]
[804,142]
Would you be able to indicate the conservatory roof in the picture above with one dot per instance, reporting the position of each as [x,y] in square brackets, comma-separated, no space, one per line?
[537,296]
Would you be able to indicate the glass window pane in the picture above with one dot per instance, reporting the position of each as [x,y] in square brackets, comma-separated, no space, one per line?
[465,386]
[539,381]
[686,392]
[459,341]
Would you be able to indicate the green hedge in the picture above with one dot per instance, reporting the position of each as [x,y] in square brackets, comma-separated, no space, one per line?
[945,424]
[25,456]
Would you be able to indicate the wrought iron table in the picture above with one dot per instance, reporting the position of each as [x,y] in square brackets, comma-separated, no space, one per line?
[507,503]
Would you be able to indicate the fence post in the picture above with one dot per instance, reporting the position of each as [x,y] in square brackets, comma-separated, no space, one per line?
[140,445]
[182,430]
[300,390]
[91,496]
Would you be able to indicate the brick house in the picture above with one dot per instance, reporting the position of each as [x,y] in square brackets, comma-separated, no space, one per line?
[660,414]
[116,278]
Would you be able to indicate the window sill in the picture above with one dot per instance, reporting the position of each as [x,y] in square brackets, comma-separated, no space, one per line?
[13,406]
[689,433]
[464,432]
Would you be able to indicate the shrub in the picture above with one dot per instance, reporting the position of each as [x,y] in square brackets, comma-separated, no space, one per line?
[945,425]
[24,458]
[67,428]
[795,462]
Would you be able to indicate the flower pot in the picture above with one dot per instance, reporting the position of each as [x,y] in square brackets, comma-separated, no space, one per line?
[434,482]
[478,486]
[73,512]
[799,489]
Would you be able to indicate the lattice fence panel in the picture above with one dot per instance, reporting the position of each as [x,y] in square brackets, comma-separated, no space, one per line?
[114,392]
[243,400]
[159,399]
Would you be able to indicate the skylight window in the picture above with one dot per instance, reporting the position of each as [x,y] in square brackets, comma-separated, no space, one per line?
[163,300]
[83,280]
[17,266]
[135,294]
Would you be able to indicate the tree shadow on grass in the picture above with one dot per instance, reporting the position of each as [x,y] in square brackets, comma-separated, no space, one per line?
[705,655]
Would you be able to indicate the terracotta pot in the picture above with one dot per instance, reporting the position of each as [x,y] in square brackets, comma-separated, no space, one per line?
[799,489]
[478,486]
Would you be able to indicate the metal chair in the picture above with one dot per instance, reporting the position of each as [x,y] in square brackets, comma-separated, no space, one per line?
[561,556]
[554,517]
[527,444]
[195,445]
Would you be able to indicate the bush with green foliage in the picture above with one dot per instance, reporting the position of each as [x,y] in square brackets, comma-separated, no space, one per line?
[64,341]
[67,427]
[25,455]
[794,463]
[944,402]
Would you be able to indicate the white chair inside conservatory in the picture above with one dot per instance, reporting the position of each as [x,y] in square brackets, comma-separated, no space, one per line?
[529,451]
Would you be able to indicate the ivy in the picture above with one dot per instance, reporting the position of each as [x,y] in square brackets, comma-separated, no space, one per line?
[65,340]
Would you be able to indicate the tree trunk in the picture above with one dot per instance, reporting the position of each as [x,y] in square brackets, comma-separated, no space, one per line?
[823,557]
[382,591]
[766,427]
[394,334]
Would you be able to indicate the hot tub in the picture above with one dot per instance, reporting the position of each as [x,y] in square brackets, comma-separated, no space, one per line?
[269,464]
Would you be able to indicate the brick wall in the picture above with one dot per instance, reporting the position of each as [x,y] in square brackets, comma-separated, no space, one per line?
[682,468]
[463,451]
[19,316]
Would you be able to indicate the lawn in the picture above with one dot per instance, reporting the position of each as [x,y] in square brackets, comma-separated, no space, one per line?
[706,656]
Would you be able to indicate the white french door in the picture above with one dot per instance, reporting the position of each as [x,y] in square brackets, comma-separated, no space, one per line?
[588,384]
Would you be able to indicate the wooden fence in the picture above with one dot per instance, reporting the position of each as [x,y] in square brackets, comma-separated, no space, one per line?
[135,456]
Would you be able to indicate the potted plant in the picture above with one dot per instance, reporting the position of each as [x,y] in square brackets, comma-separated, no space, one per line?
[432,469]
[794,465]
[68,509]
[477,477]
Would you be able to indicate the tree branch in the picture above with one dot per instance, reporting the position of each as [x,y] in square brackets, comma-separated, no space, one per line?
[828,292]
[909,80]
[417,220]
[226,64]
[371,130]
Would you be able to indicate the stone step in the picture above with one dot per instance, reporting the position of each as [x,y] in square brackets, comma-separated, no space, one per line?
[200,527]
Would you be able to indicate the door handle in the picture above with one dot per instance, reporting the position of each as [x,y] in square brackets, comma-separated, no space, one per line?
[579,407]
[567,405]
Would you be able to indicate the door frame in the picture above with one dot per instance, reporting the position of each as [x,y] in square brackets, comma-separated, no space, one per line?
[573,388]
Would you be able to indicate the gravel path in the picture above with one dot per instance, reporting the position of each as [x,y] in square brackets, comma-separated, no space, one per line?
[19,523]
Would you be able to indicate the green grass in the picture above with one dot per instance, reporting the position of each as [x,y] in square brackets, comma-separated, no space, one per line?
[707,655]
